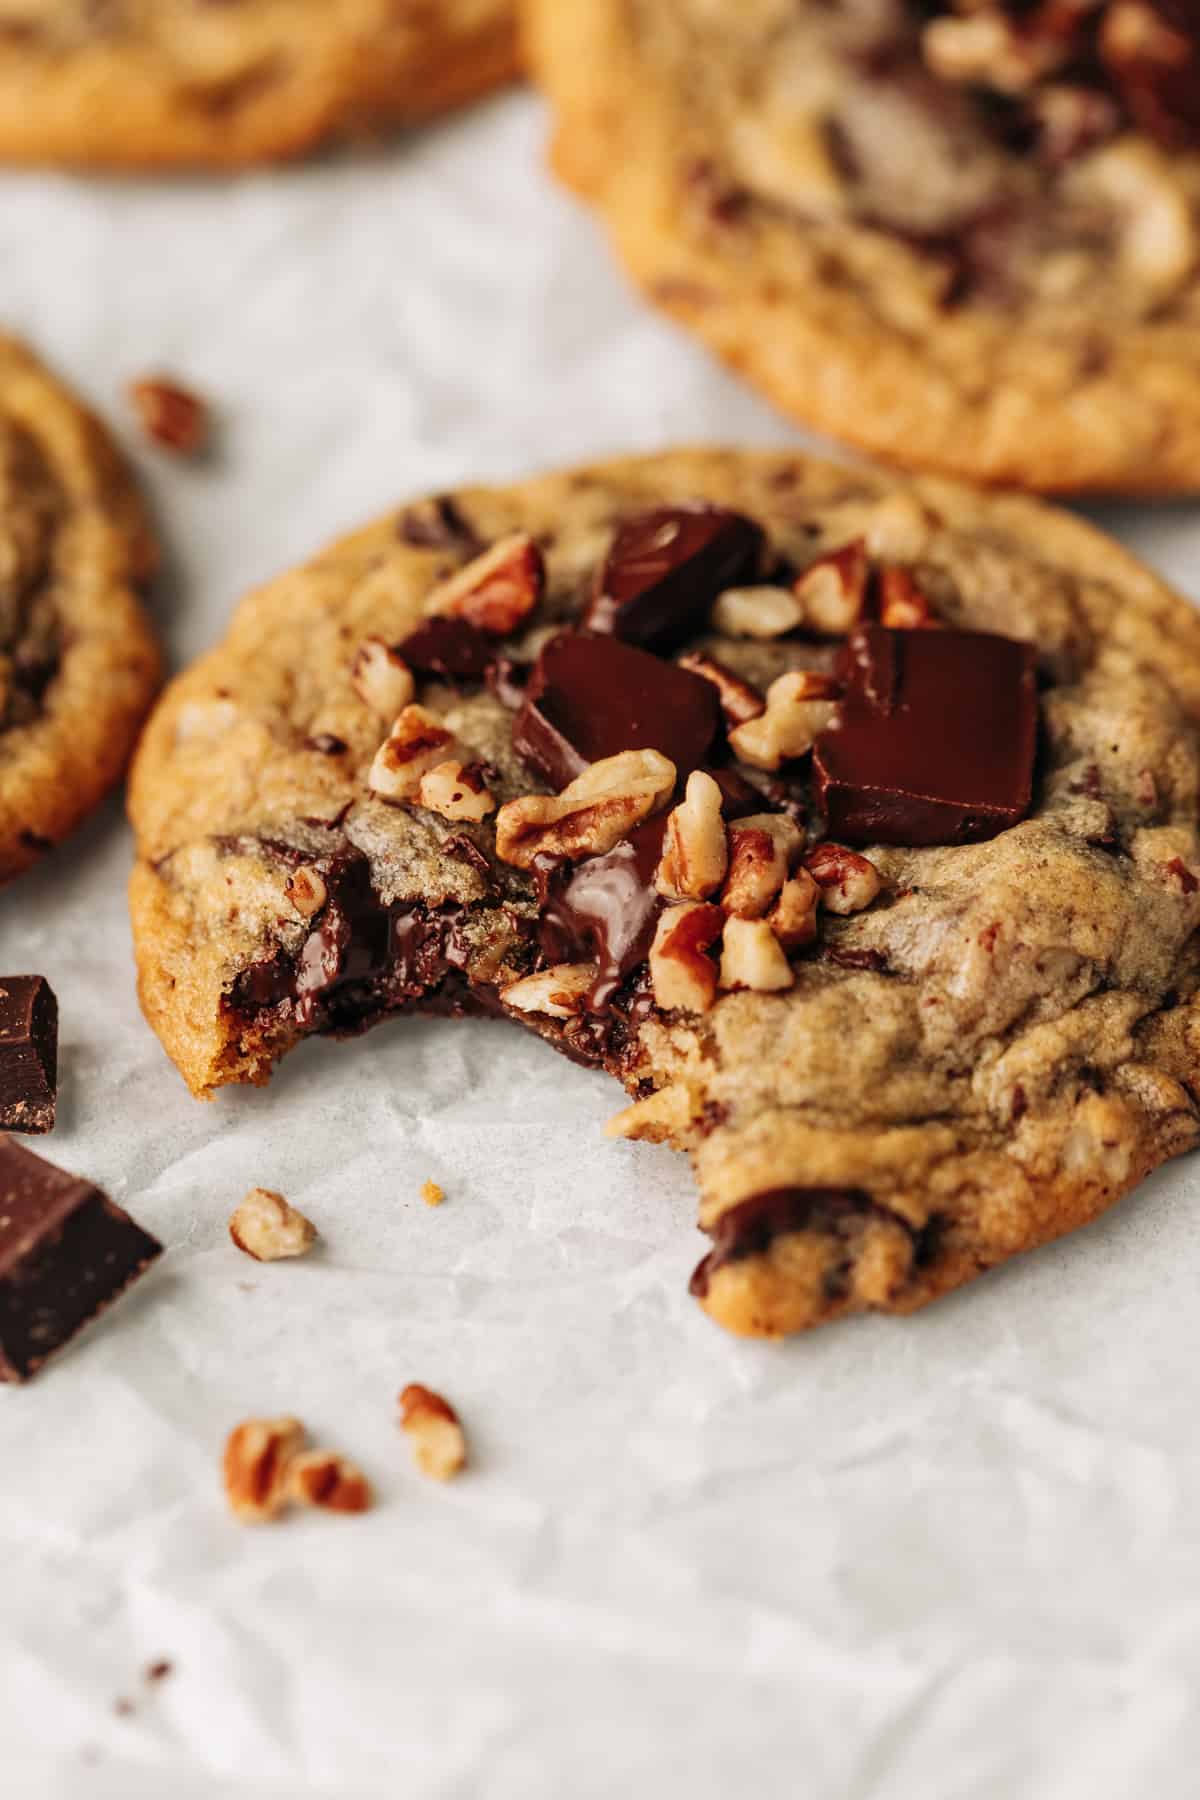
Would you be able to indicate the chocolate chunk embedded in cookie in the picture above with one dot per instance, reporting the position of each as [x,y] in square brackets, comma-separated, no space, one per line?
[962,234]
[890,926]
[78,663]
[160,83]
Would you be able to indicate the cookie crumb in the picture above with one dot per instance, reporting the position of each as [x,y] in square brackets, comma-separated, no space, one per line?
[432,1194]
[171,415]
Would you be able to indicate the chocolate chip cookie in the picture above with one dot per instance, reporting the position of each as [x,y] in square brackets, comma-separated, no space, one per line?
[156,83]
[852,826]
[961,234]
[78,662]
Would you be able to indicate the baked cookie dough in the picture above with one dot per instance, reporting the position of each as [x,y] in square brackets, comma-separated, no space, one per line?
[222,83]
[78,661]
[851,825]
[964,237]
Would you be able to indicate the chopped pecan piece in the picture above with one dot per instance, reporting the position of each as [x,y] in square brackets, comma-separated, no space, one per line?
[753,958]
[457,791]
[739,701]
[848,882]
[682,974]
[381,678]
[171,414]
[418,742]
[799,706]
[763,847]
[695,854]
[558,993]
[594,812]
[497,591]
[438,1440]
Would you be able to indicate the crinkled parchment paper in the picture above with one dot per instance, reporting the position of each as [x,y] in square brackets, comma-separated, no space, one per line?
[958,1556]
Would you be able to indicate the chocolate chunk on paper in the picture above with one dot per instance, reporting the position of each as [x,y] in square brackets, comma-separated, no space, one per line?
[933,741]
[28,1053]
[66,1253]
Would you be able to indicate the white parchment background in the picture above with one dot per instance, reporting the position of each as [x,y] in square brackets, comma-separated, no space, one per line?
[958,1556]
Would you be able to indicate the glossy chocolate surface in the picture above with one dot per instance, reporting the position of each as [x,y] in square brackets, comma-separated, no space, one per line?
[664,570]
[28,1053]
[451,648]
[604,909]
[751,1227]
[66,1252]
[934,738]
[591,697]
[360,958]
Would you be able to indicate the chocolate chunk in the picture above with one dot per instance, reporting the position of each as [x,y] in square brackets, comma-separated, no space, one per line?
[933,741]
[665,568]
[439,524]
[66,1252]
[604,909]
[360,959]
[451,648]
[28,1053]
[751,1227]
[591,697]
[739,797]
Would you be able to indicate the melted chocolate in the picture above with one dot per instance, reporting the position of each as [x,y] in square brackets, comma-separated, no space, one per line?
[665,568]
[750,1228]
[933,741]
[604,909]
[591,697]
[451,648]
[359,959]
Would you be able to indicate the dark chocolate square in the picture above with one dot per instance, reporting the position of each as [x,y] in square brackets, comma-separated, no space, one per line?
[933,741]
[66,1252]
[28,1053]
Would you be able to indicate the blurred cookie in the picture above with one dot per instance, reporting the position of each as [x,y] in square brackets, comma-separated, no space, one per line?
[221,83]
[962,236]
[78,661]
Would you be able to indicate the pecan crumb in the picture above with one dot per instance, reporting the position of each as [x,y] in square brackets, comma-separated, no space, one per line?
[267,1468]
[171,415]
[439,1443]
[268,1227]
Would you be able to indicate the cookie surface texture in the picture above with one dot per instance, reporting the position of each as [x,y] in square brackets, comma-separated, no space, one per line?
[562,752]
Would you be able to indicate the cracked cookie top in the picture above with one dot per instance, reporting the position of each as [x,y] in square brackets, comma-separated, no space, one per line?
[852,826]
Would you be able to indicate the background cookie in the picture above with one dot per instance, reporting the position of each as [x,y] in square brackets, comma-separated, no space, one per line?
[1005,287]
[981,1043]
[78,662]
[145,83]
